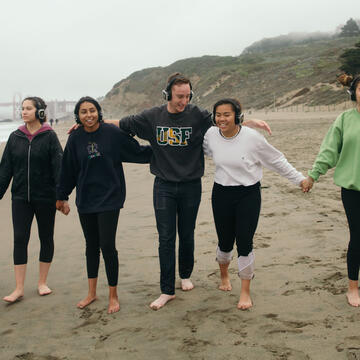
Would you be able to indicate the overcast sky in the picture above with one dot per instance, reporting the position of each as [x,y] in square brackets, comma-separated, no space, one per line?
[64,49]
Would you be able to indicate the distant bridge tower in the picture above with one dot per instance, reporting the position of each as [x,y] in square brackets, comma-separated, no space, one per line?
[17,98]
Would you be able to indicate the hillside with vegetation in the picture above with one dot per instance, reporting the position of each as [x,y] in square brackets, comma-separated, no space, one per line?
[283,71]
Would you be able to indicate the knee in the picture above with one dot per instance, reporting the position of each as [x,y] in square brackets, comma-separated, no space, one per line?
[166,233]
[20,238]
[167,238]
[109,251]
[246,266]
[20,252]
[92,251]
[223,257]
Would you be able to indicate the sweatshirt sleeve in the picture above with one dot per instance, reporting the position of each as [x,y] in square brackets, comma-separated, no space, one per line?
[329,152]
[6,169]
[69,172]
[131,151]
[56,157]
[207,120]
[137,125]
[273,159]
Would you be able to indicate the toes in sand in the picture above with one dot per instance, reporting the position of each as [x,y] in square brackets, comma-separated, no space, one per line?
[225,284]
[85,302]
[245,302]
[353,298]
[161,301]
[186,285]
[114,306]
[16,295]
[44,290]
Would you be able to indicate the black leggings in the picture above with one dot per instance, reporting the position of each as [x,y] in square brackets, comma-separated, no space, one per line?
[236,212]
[100,232]
[23,214]
[351,202]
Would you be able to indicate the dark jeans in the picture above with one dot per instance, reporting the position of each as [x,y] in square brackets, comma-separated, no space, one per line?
[100,232]
[176,204]
[351,202]
[236,211]
[23,214]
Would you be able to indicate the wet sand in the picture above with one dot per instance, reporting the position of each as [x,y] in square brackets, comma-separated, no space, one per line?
[299,312]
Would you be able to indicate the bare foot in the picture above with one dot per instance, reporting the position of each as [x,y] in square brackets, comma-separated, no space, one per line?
[44,290]
[186,285]
[225,284]
[87,301]
[353,298]
[16,295]
[244,301]
[225,278]
[114,305]
[161,301]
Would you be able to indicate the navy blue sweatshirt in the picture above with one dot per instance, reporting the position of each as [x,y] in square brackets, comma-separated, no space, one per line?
[176,140]
[92,163]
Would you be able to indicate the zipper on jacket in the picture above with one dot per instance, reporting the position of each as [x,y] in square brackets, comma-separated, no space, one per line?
[29,151]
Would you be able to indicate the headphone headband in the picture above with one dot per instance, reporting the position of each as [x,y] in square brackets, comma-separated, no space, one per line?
[167,91]
[239,116]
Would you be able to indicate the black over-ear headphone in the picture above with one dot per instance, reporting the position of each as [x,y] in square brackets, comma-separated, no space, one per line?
[167,91]
[40,109]
[352,88]
[239,116]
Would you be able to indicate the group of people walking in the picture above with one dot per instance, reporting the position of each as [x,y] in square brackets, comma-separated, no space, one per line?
[179,135]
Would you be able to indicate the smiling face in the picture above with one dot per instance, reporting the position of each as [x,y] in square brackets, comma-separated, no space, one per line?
[225,120]
[180,97]
[89,116]
[28,112]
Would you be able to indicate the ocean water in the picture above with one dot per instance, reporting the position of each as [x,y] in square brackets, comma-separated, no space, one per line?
[7,128]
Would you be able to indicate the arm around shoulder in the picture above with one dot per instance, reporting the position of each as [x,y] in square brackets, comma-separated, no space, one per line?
[112,122]
[257,124]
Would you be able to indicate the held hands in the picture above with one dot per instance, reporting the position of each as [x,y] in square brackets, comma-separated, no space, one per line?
[260,124]
[63,206]
[307,184]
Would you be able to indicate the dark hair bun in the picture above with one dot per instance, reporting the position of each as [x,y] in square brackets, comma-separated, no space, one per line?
[345,79]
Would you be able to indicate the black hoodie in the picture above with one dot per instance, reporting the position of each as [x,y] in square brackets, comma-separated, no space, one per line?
[33,165]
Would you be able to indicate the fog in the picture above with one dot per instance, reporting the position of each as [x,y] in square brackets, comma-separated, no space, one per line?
[66,49]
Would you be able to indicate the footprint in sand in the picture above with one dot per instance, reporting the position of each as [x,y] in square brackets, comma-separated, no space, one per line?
[282,352]
[6,332]
[351,347]
[32,356]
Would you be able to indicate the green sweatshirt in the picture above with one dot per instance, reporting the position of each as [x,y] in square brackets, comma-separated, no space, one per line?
[341,148]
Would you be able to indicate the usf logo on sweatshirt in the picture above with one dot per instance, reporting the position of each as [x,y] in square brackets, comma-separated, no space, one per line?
[173,136]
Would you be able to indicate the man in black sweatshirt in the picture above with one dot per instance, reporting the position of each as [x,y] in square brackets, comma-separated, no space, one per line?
[175,131]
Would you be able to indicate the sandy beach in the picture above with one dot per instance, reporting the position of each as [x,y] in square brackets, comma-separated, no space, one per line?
[300,309]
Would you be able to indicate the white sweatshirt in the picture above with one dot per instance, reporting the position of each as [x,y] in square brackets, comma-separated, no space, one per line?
[239,160]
